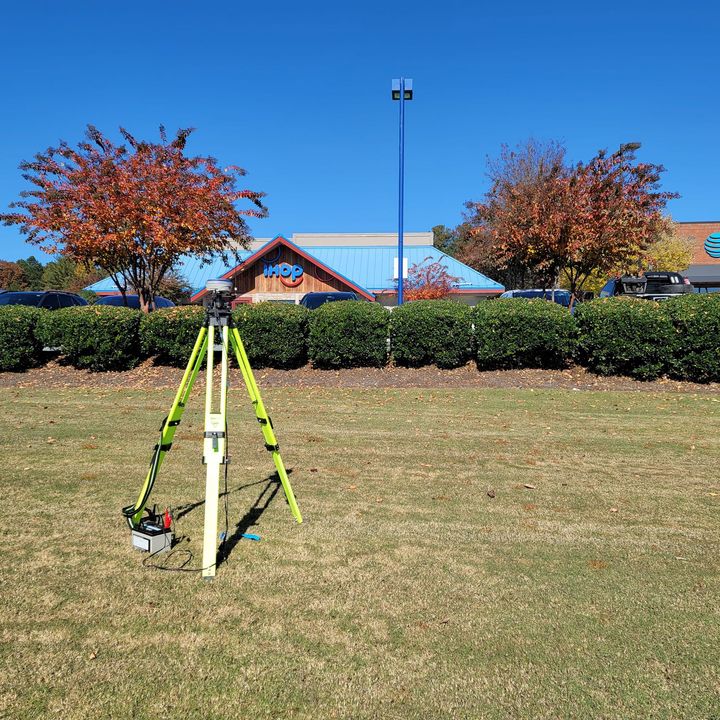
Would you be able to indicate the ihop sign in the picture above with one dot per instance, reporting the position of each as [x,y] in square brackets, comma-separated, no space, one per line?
[290,275]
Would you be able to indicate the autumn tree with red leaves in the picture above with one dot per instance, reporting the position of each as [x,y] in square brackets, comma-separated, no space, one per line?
[11,276]
[428,281]
[614,214]
[545,217]
[133,210]
[511,235]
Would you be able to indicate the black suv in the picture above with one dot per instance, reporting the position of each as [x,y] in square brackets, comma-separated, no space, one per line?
[133,301]
[652,285]
[314,300]
[48,299]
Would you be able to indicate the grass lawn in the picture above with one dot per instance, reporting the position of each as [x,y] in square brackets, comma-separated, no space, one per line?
[408,592]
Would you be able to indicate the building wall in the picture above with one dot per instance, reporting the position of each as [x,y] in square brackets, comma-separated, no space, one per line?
[698,232]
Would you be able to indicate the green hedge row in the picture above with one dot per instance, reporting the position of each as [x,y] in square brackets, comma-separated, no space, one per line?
[518,333]
[20,346]
[432,332]
[274,335]
[348,334]
[94,337]
[624,336]
[679,338]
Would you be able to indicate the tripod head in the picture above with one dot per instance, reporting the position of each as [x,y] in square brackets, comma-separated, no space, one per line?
[218,307]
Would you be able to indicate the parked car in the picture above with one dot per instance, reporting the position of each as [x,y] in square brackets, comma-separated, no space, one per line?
[48,299]
[133,301]
[654,285]
[561,297]
[314,300]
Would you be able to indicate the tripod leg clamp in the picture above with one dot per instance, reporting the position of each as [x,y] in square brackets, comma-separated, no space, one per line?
[272,448]
[215,435]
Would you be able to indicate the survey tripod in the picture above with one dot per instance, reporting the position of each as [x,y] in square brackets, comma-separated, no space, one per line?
[218,334]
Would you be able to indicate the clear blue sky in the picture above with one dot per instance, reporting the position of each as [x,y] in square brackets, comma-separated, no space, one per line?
[299,94]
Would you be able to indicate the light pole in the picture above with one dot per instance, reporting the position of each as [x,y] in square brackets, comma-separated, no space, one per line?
[402,90]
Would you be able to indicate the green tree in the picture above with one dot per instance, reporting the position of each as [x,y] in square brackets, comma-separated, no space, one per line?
[32,270]
[445,239]
[59,274]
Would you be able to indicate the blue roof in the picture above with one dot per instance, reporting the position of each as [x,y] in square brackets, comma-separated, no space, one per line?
[368,266]
[189,268]
[372,267]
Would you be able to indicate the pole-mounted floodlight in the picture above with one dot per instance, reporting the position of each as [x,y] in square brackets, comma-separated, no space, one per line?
[402,90]
[407,90]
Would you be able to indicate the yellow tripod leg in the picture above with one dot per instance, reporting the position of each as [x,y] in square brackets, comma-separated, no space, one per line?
[264,419]
[134,512]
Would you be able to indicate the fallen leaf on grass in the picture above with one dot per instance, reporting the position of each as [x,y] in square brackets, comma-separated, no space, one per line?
[597,564]
[491,493]
[528,486]
[613,509]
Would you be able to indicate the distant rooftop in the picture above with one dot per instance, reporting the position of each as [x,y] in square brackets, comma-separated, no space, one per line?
[367,259]
[310,240]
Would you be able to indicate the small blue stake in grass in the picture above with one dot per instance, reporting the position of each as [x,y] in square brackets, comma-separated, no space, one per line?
[247,536]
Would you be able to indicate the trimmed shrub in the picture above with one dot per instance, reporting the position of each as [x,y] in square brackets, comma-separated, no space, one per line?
[520,333]
[20,347]
[696,351]
[274,334]
[625,336]
[100,337]
[169,334]
[348,334]
[429,332]
[51,328]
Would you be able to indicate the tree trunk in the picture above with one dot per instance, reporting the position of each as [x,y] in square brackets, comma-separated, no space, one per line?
[146,300]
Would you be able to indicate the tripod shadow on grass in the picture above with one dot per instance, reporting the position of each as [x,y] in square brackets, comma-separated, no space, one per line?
[271,485]
[182,510]
[251,517]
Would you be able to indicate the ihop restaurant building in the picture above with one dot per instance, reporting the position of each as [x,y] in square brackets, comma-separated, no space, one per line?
[283,270]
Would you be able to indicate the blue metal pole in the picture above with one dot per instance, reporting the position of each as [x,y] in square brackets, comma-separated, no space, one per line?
[401,191]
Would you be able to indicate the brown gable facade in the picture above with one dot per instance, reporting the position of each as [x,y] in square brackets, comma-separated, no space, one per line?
[281,271]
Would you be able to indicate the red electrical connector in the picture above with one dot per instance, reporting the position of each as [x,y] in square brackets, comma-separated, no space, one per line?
[168,520]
